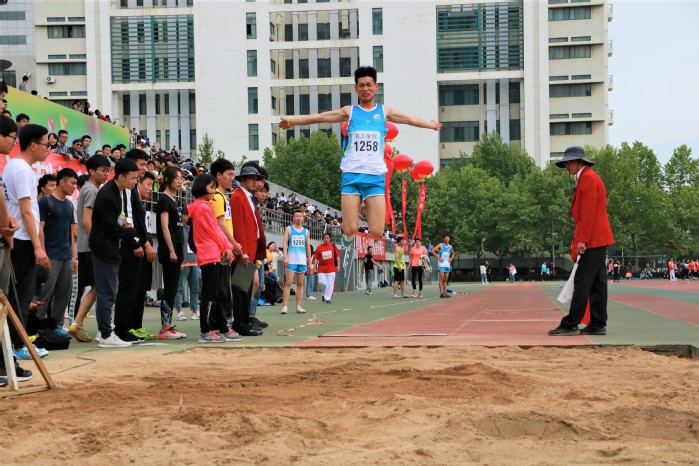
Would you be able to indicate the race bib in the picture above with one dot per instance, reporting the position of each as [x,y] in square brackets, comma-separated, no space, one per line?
[298,240]
[366,143]
[445,256]
[327,255]
[228,215]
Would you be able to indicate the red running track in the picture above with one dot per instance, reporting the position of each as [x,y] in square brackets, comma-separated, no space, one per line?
[666,307]
[500,315]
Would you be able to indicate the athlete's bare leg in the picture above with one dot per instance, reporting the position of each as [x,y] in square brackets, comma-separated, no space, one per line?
[350,205]
[376,214]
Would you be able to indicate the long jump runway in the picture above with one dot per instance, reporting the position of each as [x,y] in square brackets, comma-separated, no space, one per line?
[499,315]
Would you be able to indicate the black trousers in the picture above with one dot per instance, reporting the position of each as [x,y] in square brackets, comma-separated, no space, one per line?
[130,298]
[22,290]
[211,312]
[241,306]
[590,283]
[416,274]
[171,278]
[226,302]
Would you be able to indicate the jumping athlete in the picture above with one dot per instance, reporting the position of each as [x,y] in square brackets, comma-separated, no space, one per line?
[362,164]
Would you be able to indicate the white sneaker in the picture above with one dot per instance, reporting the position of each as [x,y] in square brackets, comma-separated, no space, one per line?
[195,315]
[181,316]
[312,298]
[300,310]
[285,310]
[113,342]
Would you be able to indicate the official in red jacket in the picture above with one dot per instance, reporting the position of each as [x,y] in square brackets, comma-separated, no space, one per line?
[592,236]
[249,232]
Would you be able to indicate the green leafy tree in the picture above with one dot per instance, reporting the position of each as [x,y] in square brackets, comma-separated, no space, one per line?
[206,150]
[310,166]
[501,160]
[681,176]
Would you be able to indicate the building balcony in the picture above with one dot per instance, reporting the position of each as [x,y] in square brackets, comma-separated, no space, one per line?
[610,48]
[610,117]
[610,82]
[610,12]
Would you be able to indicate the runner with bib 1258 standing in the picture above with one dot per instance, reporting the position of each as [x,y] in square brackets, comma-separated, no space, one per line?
[444,252]
[363,167]
[297,259]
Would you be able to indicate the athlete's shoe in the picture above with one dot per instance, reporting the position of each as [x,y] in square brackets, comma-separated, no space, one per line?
[421,295]
[311,297]
[347,243]
[211,337]
[23,353]
[231,335]
[22,374]
[79,333]
[170,333]
[300,310]
[142,334]
[113,341]
[285,310]
[181,316]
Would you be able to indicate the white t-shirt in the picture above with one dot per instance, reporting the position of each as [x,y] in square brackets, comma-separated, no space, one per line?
[19,182]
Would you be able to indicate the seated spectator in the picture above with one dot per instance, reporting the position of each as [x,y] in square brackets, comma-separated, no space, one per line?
[76,151]
[86,140]
[62,146]
[53,141]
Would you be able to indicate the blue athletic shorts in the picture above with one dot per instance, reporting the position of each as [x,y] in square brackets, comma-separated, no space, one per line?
[444,269]
[298,268]
[363,184]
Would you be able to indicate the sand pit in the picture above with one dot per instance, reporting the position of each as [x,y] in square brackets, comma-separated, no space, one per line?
[469,405]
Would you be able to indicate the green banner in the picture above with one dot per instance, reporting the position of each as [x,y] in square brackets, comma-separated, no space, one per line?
[56,117]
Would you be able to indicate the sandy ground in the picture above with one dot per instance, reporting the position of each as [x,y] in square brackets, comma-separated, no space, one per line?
[459,406]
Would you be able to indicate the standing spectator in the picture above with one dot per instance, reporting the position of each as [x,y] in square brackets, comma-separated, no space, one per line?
[327,261]
[310,279]
[272,258]
[399,268]
[544,270]
[593,234]
[260,199]
[297,258]
[189,274]
[55,231]
[62,146]
[484,274]
[212,249]
[46,187]
[444,253]
[22,120]
[19,183]
[671,270]
[249,232]
[417,252]
[99,169]
[512,271]
[135,253]
[168,226]
[110,226]
[369,264]
[24,85]
[617,270]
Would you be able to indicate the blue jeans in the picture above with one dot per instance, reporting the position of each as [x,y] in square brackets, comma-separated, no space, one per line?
[106,276]
[369,279]
[191,276]
[484,278]
[310,284]
[257,293]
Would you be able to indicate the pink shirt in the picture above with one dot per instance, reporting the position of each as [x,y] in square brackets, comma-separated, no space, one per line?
[415,255]
[208,237]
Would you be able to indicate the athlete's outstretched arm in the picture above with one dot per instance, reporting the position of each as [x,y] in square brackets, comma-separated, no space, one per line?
[332,116]
[394,116]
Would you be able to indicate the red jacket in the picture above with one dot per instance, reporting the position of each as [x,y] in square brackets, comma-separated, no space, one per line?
[589,210]
[245,227]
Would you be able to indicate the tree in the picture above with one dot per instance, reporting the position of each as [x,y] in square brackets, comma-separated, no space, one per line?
[501,160]
[206,150]
[307,166]
[681,176]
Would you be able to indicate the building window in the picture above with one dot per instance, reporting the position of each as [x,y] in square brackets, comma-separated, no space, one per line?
[192,137]
[273,66]
[572,128]
[289,68]
[570,90]
[324,70]
[57,57]
[274,103]
[378,58]
[559,116]
[65,32]
[558,78]
[572,13]
[290,105]
[192,102]
[76,19]
[570,51]
[581,39]
[345,67]
[577,77]
[157,107]
[378,98]
[274,138]
[323,31]
[325,102]
[58,94]
[251,25]
[167,103]
[77,56]
[582,115]
[67,69]
[252,100]
[459,131]
[252,63]
[304,71]
[554,40]
[142,105]
[514,94]
[460,94]
[56,19]
[345,99]
[304,104]
[126,104]
[13,16]
[253,137]
[377,21]
[515,130]
[13,40]
[303,32]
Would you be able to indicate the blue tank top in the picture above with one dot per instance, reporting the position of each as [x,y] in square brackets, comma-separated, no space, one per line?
[363,147]
[296,249]
[444,255]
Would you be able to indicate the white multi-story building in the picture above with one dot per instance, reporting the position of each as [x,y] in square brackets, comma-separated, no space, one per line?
[535,71]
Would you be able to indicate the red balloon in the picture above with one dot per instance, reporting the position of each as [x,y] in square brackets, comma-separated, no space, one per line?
[401,162]
[344,128]
[421,170]
[387,151]
[392,131]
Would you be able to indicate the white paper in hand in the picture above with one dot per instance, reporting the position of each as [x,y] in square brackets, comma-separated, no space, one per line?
[566,294]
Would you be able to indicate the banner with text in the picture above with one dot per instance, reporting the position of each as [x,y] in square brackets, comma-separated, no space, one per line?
[363,241]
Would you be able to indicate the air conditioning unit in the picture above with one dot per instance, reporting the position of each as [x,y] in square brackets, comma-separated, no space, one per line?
[50,79]
[272,38]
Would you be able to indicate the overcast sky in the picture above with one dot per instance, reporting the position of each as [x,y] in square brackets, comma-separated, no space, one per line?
[656,74]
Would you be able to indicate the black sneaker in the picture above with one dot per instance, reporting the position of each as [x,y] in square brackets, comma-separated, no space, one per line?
[258,323]
[130,338]
[251,332]
[323,298]
[22,374]
[328,302]
[594,331]
[564,332]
